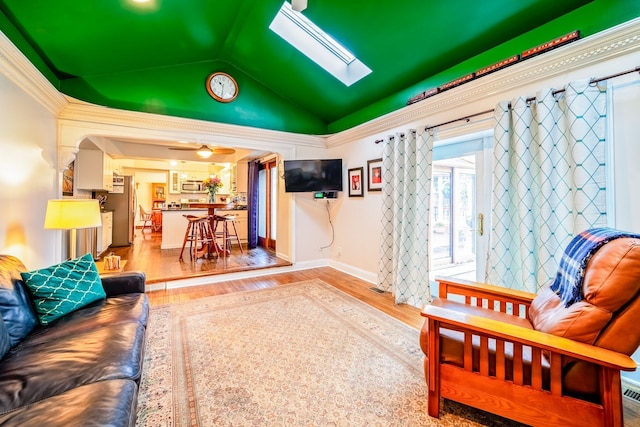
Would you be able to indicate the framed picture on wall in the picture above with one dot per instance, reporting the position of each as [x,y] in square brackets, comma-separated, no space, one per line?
[67,180]
[355,182]
[374,175]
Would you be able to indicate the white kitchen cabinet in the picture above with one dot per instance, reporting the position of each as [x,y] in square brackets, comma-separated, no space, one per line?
[196,175]
[174,182]
[225,177]
[104,236]
[94,170]
[234,179]
[242,177]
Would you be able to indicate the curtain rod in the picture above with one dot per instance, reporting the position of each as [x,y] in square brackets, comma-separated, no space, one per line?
[555,92]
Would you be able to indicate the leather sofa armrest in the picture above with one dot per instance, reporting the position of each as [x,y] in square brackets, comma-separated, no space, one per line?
[124,283]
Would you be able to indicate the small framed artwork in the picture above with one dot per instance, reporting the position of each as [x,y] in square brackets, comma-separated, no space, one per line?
[355,182]
[374,175]
[67,180]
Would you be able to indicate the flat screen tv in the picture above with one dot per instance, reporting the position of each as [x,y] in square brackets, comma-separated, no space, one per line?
[312,175]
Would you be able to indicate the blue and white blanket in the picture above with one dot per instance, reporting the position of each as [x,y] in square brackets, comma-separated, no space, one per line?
[568,282]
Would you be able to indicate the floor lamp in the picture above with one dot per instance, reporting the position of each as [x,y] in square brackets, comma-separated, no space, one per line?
[72,214]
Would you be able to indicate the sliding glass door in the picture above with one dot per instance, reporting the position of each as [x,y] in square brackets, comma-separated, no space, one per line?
[459,200]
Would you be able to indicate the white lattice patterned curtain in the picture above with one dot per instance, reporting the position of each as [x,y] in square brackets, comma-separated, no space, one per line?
[548,181]
[405,245]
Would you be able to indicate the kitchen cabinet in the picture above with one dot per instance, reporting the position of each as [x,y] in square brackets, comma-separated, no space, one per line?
[242,177]
[196,175]
[104,236]
[225,177]
[174,182]
[94,170]
[234,179]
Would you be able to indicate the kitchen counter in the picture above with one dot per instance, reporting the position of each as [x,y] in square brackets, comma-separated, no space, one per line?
[174,226]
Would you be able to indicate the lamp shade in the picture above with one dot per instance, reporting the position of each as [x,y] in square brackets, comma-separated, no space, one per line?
[67,214]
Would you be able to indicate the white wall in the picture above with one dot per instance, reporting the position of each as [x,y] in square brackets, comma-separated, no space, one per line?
[358,219]
[309,219]
[28,177]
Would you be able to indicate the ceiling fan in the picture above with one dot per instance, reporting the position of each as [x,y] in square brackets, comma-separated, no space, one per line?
[205,151]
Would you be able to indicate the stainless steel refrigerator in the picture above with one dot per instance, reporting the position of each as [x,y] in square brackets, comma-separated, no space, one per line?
[122,201]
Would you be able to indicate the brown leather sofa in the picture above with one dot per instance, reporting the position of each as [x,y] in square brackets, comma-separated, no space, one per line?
[80,370]
[528,357]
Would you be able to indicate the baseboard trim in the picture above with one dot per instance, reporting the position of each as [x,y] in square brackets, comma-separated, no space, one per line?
[367,276]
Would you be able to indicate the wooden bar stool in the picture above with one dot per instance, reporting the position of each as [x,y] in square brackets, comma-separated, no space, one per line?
[225,233]
[198,234]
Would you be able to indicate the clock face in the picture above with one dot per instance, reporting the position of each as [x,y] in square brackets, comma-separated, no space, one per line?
[222,87]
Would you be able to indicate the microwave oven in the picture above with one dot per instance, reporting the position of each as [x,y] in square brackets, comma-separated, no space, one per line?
[191,186]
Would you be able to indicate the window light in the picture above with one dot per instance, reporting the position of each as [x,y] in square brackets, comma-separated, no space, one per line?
[317,45]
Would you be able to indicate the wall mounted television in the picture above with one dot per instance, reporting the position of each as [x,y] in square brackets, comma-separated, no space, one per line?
[312,175]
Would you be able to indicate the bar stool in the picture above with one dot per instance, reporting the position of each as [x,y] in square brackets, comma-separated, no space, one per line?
[198,234]
[225,233]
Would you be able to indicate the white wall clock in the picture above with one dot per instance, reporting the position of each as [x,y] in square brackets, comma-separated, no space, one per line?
[222,87]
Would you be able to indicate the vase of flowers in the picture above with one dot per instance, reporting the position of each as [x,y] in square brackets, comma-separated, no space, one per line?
[212,185]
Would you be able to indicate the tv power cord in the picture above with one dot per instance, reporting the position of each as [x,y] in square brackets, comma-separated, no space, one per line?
[333,234]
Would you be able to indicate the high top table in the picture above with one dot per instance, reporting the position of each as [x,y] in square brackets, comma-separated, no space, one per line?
[211,211]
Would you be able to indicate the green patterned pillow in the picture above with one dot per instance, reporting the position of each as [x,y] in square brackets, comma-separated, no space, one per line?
[63,288]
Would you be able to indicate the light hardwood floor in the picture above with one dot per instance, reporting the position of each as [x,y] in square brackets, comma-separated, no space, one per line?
[164,265]
[146,250]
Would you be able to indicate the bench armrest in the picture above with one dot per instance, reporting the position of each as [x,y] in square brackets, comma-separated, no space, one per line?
[451,319]
[481,294]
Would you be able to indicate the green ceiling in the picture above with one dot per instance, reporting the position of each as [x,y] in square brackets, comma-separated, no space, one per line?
[156,59]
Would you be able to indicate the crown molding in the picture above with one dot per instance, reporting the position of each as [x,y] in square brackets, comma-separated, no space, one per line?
[79,112]
[17,68]
[617,41]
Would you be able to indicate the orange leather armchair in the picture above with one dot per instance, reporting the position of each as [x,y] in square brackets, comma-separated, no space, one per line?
[528,357]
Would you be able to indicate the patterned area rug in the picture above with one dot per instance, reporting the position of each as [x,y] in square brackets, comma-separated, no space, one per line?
[303,354]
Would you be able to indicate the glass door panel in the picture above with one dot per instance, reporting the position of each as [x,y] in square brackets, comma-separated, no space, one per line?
[454,213]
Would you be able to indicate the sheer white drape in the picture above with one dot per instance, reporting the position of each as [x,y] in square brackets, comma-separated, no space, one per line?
[548,181]
[405,247]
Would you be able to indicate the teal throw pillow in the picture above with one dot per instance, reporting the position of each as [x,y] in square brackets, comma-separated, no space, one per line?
[60,289]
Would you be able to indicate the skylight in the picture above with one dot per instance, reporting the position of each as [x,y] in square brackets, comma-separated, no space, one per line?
[317,45]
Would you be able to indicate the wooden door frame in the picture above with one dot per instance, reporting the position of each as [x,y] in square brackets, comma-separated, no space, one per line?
[269,166]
